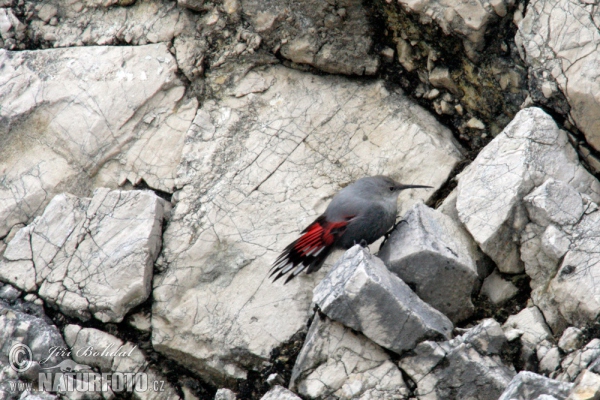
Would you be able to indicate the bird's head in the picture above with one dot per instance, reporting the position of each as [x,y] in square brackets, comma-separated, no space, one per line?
[389,188]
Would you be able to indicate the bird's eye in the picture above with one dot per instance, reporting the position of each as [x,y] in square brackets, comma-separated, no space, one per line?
[392,188]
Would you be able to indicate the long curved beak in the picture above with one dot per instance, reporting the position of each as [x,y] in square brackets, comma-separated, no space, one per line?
[402,187]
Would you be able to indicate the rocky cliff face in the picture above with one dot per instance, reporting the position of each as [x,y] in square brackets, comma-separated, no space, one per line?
[157,155]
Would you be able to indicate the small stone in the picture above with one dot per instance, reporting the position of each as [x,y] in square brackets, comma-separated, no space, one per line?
[432,94]
[571,339]
[441,78]
[551,361]
[225,394]
[387,53]
[280,393]
[141,321]
[497,289]
[475,123]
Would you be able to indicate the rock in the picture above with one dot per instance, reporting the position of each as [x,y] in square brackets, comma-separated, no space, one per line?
[440,78]
[103,116]
[225,394]
[466,21]
[144,22]
[571,339]
[459,368]
[24,324]
[9,293]
[528,385]
[89,256]
[550,362]
[195,5]
[497,289]
[362,294]
[336,362]
[533,330]
[579,360]
[529,151]
[190,54]
[531,322]
[12,31]
[560,39]
[424,253]
[256,170]
[587,387]
[313,32]
[91,347]
[279,393]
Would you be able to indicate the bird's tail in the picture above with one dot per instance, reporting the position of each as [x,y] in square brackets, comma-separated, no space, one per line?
[309,251]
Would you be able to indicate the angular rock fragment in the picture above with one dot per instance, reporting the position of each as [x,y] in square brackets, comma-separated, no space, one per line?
[579,360]
[529,325]
[570,339]
[279,393]
[89,256]
[425,253]
[497,289]
[530,150]
[259,165]
[587,387]
[528,385]
[336,362]
[461,367]
[560,39]
[94,348]
[336,38]
[362,294]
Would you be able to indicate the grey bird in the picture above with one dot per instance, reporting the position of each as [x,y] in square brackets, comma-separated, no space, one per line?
[360,213]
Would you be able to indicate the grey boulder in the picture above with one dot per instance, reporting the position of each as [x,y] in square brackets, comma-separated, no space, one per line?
[362,294]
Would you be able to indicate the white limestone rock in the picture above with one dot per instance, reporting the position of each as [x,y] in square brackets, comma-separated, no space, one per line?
[461,367]
[497,289]
[530,150]
[361,293]
[561,40]
[87,116]
[528,385]
[336,362]
[425,253]
[89,256]
[279,393]
[587,387]
[577,361]
[256,170]
[570,339]
[336,38]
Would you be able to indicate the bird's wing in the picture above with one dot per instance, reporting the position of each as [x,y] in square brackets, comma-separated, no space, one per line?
[310,250]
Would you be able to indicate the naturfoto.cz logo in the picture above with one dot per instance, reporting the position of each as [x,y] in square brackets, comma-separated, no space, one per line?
[69,376]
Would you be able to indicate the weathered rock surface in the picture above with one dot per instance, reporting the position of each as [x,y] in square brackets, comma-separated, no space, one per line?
[89,256]
[468,21]
[335,362]
[426,252]
[361,293]
[279,393]
[249,185]
[530,150]
[25,324]
[587,387]
[333,36]
[560,39]
[461,367]
[497,289]
[72,119]
[528,385]
[531,329]
[94,348]
[577,361]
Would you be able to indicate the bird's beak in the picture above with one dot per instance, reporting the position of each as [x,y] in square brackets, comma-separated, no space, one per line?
[402,187]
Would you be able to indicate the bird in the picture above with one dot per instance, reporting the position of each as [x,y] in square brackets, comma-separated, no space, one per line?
[360,213]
